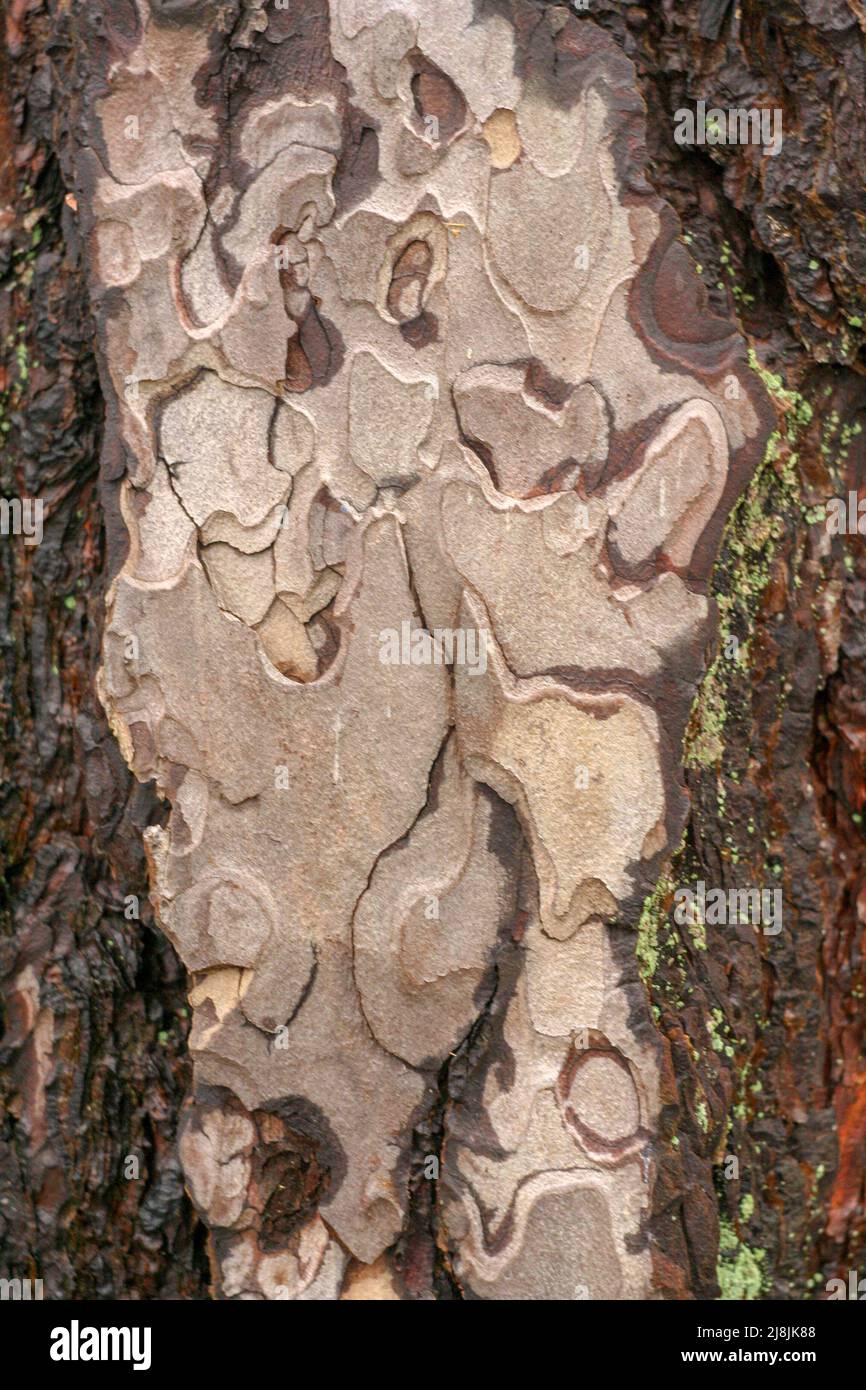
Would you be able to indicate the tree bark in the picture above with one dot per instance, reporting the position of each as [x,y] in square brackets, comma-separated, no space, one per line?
[93,1060]
[418,320]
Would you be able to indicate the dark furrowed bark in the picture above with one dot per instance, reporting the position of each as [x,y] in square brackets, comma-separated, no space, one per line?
[92,1059]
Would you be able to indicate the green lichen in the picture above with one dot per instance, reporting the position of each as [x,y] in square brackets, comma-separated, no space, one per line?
[651,918]
[738,1271]
[21,359]
[705,738]
[743,571]
[697,930]
[655,933]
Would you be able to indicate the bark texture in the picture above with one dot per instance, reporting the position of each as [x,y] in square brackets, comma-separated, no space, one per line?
[397,338]
[92,1059]
[774,773]
[475,391]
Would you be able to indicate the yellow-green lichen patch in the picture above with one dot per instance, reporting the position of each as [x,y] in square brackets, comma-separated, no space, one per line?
[744,568]
[654,920]
[739,1269]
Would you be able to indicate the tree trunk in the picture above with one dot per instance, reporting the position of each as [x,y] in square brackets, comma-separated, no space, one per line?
[469,618]
[93,1062]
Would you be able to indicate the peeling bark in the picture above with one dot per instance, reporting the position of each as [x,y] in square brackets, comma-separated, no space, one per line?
[316,481]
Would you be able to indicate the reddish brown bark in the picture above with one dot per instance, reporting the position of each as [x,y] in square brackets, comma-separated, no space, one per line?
[92,1063]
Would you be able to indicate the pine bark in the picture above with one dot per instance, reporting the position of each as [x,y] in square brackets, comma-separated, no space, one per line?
[760,1043]
[94,1066]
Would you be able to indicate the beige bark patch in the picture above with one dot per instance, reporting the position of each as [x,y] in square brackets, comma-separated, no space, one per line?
[500,132]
